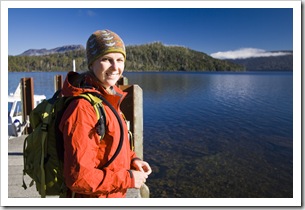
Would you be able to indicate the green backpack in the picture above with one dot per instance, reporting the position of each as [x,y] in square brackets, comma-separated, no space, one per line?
[43,149]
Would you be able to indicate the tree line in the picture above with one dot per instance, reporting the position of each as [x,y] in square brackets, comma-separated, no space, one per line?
[148,57]
[271,63]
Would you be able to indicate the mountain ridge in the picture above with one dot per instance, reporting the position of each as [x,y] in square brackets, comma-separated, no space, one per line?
[147,57]
[44,51]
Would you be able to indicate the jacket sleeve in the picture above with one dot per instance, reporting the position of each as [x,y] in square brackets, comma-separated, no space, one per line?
[82,151]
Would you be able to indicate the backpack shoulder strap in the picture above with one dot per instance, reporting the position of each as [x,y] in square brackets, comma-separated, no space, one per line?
[98,106]
[96,103]
[116,153]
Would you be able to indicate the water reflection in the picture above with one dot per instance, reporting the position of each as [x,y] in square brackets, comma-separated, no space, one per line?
[218,135]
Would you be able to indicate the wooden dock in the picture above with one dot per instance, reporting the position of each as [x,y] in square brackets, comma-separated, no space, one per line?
[15,175]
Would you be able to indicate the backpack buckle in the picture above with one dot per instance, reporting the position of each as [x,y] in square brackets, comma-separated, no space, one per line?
[44,127]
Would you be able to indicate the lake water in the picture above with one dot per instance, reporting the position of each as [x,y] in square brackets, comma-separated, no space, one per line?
[212,135]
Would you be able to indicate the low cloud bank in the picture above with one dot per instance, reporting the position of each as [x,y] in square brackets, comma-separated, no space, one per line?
[246,53]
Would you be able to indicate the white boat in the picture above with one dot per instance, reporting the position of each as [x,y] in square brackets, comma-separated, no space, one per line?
[16,125]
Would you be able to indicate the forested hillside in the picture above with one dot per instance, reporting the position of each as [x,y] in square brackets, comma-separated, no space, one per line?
[148,57]
[158,57]
[271,63]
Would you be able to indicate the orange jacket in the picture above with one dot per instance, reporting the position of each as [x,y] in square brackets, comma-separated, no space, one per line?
[85,153]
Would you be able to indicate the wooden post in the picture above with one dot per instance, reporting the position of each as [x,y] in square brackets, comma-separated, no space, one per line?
[27,98]
[132,107]
[57,82]
[122,81]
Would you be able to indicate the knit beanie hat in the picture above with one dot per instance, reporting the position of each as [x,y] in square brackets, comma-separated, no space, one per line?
[102,42]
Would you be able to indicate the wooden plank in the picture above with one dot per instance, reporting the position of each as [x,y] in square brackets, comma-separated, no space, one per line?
[27,98]
[132,107]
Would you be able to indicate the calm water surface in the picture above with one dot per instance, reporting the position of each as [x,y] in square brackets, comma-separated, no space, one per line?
[212,135]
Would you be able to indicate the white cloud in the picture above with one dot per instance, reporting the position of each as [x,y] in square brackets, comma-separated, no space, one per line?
[246,53]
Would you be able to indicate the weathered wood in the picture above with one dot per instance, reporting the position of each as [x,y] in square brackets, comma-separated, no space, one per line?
[132,107]
[122,81]
[27,98]
[58,82]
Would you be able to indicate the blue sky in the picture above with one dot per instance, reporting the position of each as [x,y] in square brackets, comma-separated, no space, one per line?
[220,32]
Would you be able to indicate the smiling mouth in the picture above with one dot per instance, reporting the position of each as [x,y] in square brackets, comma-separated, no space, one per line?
[112,74]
